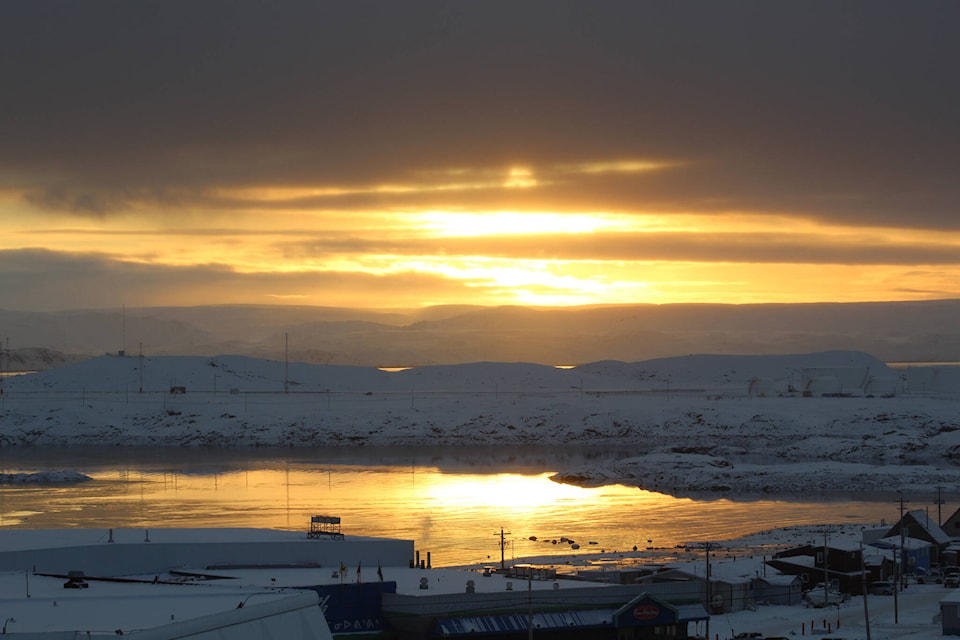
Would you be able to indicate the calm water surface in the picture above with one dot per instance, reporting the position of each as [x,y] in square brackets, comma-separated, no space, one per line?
[451,502]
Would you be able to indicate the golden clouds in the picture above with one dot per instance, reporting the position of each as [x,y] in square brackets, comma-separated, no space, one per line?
[616,166]
[385,244]
[438,181]
[510,223]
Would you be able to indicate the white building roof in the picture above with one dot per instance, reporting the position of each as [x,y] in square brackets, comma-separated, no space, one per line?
[33,604]
[408,580]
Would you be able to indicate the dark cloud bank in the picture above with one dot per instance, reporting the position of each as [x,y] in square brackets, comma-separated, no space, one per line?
[841,111]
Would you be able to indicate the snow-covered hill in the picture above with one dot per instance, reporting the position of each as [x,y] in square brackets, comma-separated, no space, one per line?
[729,374]
[698,424]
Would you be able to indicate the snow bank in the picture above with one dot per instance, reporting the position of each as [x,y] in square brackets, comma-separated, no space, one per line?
[44,477]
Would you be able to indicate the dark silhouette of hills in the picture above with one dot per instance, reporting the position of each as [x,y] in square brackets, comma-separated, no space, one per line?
[891,331]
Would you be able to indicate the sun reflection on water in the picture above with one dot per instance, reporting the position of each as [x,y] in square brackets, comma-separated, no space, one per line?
[456,515]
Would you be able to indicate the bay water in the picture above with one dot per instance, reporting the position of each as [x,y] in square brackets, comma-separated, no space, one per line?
[463,505]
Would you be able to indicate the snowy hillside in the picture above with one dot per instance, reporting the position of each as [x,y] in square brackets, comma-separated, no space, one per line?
[704,424]
[733,374]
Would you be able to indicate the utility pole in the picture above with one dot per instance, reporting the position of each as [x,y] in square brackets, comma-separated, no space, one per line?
[530,604]
[896,604]
[863,576]
[709,603]
[939,505]
[903,531]
[826,572]
[503,545]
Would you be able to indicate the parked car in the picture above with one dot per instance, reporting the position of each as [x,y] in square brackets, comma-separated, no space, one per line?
[952,581]
[930,576]
[819,597]
[881,588]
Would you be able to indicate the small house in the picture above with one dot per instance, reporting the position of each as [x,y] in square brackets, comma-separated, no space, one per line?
[912,555]
[840,564]
[951,526]
[918,525]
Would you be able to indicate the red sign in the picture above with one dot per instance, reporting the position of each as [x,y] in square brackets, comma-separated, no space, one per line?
[646,612]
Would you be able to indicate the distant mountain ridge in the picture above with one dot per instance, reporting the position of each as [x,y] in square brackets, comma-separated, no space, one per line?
[891,331]
[105,374]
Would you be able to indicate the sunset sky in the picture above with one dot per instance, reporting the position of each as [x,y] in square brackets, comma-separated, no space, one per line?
[404,154]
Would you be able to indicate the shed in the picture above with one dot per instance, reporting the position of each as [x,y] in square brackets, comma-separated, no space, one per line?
[727,593]
[778,589]
[950,614]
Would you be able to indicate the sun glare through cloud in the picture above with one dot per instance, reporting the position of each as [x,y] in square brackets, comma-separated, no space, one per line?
[520,178]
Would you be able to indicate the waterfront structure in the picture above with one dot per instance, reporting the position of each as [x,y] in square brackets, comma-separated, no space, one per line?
[263,583]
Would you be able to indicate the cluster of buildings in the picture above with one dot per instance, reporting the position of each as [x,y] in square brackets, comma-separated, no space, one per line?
[212,584]
[914,549]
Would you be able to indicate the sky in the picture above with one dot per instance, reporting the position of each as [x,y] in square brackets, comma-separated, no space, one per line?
[407,154]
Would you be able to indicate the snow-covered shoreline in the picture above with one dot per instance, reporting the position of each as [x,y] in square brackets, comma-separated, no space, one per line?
[44,477]
[699,425]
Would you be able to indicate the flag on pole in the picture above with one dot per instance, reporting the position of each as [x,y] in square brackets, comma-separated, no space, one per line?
[379,571]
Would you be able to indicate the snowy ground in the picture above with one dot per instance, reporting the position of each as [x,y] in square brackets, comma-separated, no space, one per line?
[915,618]
[691,426]
[700,425]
